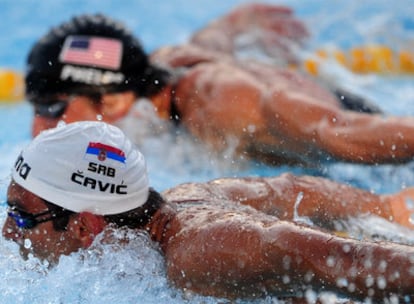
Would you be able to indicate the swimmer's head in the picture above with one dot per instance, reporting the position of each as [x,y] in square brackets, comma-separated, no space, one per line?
[84,166]
[90,54]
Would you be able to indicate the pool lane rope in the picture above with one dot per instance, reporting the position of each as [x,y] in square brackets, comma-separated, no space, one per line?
[11,86]
[367,59]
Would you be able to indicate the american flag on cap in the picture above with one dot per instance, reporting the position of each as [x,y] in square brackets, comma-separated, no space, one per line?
[92,51]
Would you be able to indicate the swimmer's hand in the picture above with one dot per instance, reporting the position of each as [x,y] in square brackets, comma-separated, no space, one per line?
[402,207]
[271,29]
[274,18]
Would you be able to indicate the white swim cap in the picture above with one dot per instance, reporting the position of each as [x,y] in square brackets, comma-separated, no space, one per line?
[84,166]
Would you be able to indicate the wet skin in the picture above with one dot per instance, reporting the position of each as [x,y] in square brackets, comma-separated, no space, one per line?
[43,241]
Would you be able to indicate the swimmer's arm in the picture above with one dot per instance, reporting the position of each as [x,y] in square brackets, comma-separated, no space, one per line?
[322,200]
[254,256]
[345,135]
[325,200]
[365,138]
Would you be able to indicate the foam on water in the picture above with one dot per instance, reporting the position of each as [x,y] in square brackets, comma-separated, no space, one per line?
[135,273]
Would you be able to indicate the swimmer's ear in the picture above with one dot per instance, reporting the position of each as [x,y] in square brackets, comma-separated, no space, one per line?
[88,227]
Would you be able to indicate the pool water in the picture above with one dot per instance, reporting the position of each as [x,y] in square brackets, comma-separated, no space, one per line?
[136,274]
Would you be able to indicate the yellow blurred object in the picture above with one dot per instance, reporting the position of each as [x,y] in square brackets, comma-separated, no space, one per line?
[11,86]
[407,61]
[376,59]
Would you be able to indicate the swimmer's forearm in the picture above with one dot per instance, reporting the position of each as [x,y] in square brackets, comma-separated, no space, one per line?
[324,200]
[364,138]
[344,265]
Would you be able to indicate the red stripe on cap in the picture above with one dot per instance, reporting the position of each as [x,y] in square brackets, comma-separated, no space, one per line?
[106,148]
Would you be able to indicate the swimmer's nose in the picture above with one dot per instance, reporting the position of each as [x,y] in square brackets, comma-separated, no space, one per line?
[10,231]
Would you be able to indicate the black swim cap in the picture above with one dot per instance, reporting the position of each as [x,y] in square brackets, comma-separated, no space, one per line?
[90,53]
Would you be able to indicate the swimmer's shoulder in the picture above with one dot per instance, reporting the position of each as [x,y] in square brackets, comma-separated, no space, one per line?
[186,193]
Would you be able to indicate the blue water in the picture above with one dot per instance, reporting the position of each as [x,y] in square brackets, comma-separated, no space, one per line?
[137,275]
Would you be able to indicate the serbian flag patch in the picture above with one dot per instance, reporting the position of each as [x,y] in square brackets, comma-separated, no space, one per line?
[92,51]
[103,152]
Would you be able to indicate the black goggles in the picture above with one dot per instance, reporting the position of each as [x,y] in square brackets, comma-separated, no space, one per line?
[25,220]
[54,107]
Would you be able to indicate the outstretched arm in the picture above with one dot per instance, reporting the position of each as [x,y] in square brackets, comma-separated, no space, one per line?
[344,135]
[320,199]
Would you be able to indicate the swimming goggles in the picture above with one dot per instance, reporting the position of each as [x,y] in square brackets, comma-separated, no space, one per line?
[54,107]
[27,220]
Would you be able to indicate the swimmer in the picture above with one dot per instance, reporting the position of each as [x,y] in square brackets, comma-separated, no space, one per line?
[263,111]
[229,237]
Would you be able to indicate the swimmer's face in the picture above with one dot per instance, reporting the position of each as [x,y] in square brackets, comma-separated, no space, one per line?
[43,240]
[110,108]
